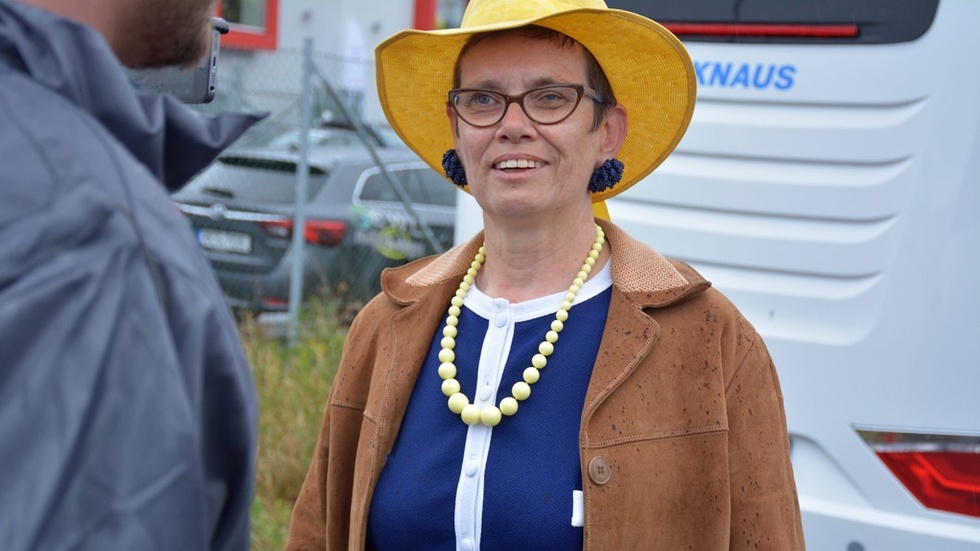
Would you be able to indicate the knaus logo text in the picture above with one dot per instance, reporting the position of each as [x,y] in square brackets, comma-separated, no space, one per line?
[750,76]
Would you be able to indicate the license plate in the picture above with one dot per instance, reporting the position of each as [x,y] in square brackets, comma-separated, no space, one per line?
[224,241]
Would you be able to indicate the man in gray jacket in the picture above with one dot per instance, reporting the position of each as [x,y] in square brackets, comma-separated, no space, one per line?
[127,409]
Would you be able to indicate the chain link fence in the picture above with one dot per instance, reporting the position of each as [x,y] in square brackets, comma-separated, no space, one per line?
[314,201]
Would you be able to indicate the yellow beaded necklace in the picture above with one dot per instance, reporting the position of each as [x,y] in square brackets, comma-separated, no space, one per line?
[491,415]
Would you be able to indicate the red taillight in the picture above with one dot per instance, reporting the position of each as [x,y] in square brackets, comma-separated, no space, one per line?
[763,30]
[328,233]
[941,471]
[948,481]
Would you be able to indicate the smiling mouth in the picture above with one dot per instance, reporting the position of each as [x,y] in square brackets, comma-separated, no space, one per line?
[513,164]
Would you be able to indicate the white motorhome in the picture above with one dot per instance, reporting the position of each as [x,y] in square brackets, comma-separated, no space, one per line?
[829,184]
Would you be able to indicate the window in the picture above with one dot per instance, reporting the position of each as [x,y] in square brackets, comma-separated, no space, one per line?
[423,187]
[427,187]
[254,23]
[257,180]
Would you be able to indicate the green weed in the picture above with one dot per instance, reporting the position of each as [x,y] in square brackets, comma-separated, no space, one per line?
[292,383]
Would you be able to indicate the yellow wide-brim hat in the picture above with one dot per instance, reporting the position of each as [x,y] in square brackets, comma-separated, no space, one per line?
[648,68]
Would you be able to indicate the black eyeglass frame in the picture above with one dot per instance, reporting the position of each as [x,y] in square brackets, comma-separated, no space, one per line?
[580,92]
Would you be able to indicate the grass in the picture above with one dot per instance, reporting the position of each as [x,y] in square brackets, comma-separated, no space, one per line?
[292,384]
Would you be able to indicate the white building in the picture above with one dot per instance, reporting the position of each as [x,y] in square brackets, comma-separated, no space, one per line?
[261,61]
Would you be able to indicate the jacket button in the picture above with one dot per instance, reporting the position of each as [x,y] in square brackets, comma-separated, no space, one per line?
[599,470]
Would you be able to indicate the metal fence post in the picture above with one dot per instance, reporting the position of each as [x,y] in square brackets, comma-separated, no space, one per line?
[302,190]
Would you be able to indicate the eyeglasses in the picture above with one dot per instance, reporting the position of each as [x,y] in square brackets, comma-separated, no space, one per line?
[544,105]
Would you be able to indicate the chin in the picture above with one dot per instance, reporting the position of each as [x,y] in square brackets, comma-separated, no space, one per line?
[176,39]
[517,207]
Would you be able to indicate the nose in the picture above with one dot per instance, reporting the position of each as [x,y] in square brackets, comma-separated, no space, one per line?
[515,123]
[514,109]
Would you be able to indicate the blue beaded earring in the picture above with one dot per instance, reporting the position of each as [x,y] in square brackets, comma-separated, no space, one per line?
[606,176]
[454,168]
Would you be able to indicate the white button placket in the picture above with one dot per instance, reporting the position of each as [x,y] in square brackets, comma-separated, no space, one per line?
[469,492]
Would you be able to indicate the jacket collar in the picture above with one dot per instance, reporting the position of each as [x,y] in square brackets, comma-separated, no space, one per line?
[72,60]
[647,278]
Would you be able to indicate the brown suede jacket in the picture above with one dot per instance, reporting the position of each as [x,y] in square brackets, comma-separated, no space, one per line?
[683,436]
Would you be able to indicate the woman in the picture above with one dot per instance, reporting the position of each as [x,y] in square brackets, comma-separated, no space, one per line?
[553,383]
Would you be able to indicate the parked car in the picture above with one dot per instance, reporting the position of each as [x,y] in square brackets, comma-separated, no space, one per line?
[242,210]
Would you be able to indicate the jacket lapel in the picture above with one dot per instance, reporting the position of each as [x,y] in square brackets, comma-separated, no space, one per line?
[642,279]
[628,337]
[409,332]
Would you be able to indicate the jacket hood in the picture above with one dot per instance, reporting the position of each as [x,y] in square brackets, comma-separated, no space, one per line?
[172,140]
[644,275]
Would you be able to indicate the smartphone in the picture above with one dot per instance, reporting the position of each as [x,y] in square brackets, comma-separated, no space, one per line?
[191,84]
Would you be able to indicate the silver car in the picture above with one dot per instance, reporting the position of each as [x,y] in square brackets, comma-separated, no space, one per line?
[242,210]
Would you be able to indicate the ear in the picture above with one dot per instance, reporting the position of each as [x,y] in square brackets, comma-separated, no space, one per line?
[613,131]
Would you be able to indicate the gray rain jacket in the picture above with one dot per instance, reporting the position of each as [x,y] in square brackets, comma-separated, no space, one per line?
[127,410]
